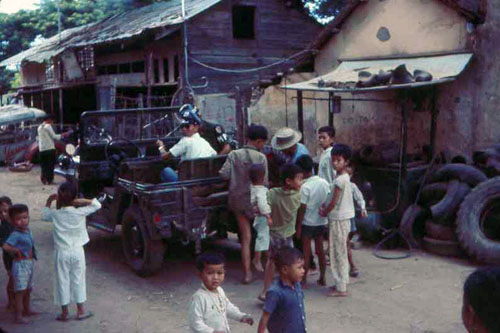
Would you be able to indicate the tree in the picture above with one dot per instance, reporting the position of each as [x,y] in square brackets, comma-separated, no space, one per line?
[324,10]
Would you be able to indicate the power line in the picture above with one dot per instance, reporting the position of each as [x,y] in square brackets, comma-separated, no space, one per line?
[250,70]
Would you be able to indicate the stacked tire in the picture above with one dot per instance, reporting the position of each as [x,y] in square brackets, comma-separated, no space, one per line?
[430,223]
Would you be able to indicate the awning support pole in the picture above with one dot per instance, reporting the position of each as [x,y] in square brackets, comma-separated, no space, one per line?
[300,114]
[434,114]
[404,128]
[330,109]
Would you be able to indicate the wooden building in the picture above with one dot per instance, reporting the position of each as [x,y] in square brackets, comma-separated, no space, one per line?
[143,57]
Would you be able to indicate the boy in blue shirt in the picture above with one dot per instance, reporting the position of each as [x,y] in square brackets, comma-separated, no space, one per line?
[21,245]
[284,306]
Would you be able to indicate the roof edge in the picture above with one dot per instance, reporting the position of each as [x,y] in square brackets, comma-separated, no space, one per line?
[473,10]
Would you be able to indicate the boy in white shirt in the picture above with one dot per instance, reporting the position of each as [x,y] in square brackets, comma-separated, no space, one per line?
[70,235]
[209,307]
[340,211]
[326,138]
[310,225]
[262,210]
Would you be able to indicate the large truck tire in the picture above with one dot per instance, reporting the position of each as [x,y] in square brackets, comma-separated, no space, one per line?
[441,247]
[440,232]
[444,211]
[465,173]
[432,194]
[478,222]
[412,225]
[144,255]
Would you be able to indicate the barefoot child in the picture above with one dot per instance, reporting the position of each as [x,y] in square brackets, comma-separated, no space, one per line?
[310,225]
[340,211]
[285,203]
[5,230]
[284,307]
[360,201]
[210,308]
[21,245]
[70,235]
[262,221]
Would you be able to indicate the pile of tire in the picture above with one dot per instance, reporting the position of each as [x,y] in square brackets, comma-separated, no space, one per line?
[442,220]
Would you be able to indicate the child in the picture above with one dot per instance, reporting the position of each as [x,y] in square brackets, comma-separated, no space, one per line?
[340,211]
[263,220]
[70,235]
[5,230]
[235,169]
[311,225]
[285,203]
[210,308]
[481,301]
[326,136]
[284,307]
[360,201]
[22,246]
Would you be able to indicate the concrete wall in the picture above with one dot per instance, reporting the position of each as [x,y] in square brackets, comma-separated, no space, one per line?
[469,108]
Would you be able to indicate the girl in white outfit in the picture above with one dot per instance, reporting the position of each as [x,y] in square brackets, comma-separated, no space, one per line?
[70,235]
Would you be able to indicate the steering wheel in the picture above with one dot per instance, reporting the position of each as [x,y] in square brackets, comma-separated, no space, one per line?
[115,159]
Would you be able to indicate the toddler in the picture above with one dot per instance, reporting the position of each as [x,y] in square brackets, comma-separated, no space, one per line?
[262,210]
[21,246]
[284,309]
[210,308]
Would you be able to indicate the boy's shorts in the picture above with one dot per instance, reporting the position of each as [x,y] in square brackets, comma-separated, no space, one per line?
[277,243]
[7,261]
[353,225]
[22,273]
[316,231]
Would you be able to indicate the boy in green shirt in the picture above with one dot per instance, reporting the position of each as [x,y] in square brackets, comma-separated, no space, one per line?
[285,203]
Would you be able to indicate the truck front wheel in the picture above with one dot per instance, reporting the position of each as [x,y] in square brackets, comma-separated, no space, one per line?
[144,255]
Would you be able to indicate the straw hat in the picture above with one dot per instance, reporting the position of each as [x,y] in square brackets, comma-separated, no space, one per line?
[285,138]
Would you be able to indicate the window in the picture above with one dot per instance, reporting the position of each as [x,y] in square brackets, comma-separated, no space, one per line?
[156,70]
[124,68]
[50,74]
[176,67]
[166,78]
[85,58]
[138,67]
[112,69]
[244,22]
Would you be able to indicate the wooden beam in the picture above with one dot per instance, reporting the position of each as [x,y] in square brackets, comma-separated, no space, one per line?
[61,112]
[300,114]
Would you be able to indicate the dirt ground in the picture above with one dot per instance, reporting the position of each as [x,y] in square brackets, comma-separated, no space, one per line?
[418,294]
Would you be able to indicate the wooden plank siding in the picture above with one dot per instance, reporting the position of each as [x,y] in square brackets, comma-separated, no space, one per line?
[279,33]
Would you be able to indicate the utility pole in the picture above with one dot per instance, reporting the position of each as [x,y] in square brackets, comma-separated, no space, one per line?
[59,19]
[186,70]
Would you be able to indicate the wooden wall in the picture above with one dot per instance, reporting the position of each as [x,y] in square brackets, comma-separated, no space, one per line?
[279,33]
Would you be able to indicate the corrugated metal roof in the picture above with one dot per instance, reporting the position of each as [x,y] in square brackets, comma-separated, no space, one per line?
[443,68]
[118,27]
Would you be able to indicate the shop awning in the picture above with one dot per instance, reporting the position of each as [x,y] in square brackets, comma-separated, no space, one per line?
[443,68]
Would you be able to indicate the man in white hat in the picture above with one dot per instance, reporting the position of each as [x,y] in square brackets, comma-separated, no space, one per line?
[287,140]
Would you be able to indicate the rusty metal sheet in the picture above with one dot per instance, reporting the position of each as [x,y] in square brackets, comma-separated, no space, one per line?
[122,26]
[444,68]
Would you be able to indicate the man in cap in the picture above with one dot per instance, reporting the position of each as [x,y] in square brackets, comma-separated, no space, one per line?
[287,140]
[212,132]
[191,146]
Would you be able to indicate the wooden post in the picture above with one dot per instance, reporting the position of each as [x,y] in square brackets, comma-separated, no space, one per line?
[61,112]
[300,114]
[330,109]
[52,101]
[404,126]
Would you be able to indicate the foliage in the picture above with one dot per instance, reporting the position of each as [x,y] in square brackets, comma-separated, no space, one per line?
[324,10]
[19,30]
